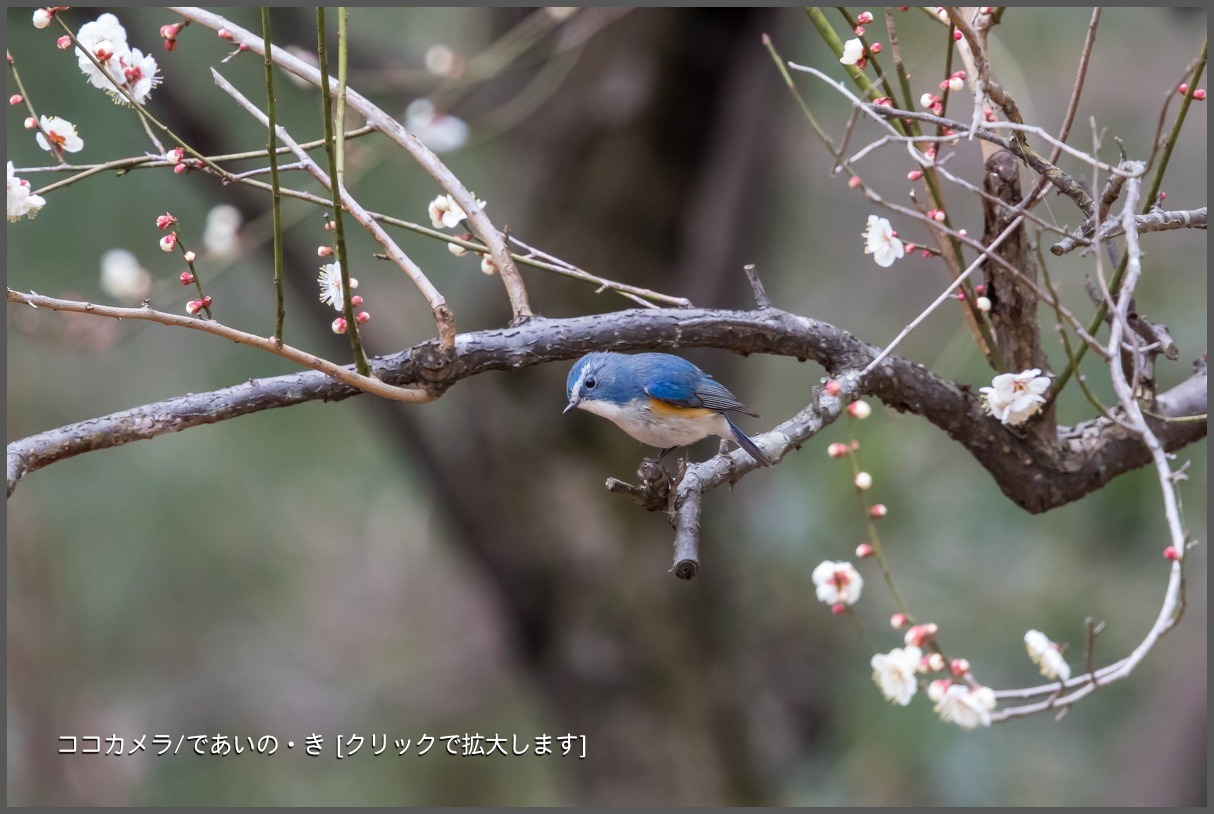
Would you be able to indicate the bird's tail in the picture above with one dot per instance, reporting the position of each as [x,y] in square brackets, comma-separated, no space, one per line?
[745,443]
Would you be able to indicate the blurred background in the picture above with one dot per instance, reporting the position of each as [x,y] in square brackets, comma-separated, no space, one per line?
[457,568]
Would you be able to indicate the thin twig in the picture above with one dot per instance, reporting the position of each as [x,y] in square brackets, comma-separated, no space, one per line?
[344,375]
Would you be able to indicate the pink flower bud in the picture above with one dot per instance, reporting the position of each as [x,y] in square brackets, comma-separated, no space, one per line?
[187,278]
[864,17]
[914,175]
[838,608]
[224,34]
[1163,196]
[863,481]
[962,232]
[362,317]
[854,181]
[959,667]
[181,169]
[170,31]
[165,221]
[918,634]
[864,550]
[242,47]
[956,35]
[875,48]
[980,288]
[175,155]
[910,248]
[16,99]
[339,325]
[169,45]
[1200,94]
[897,621]
[859,410]
[1183,89]
[193,307]
[956,84]
[356,300]
[989,114]
[31,123]
[1171,553]
[833,388]
[878,510]
[190,256]
[855,445]
[859,31]
[42,18]
[939,216]
[934,662]
[168,242]
[836,450]
[206,301]
[324,251]
[65,42]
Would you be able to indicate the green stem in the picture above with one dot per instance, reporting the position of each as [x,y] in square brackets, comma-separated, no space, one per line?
[276,193]
[360,357]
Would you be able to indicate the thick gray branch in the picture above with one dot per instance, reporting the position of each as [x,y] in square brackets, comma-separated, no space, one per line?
[1034,475]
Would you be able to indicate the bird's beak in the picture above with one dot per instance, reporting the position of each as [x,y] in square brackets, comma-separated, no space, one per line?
[572,403]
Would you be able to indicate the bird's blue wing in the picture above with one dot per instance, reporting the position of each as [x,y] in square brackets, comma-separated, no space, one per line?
[695,389]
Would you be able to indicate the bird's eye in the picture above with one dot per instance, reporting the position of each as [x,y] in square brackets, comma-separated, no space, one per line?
[590,383]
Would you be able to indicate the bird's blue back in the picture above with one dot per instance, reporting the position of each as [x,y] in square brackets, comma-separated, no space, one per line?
[622,378]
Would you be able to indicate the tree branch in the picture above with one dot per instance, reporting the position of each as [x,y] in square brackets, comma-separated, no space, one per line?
[1035,476]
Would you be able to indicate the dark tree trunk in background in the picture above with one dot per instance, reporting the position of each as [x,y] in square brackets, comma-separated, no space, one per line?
[644,166]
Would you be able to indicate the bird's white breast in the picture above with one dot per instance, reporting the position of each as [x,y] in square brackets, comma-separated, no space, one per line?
[670,428]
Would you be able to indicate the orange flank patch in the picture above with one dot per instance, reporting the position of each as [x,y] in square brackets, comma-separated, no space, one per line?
[665,408]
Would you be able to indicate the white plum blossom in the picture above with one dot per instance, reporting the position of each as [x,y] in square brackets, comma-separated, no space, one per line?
[967,707]
[1047,655]
[853,52]
[441,132]
[330,285]
[444,211]
[21,202]
[881,241]
[1013,397]
[895,672]
[42,18]
[59,133]
[837,582]
[123,277]
[124,67]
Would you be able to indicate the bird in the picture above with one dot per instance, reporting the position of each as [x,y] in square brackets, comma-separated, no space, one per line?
[659,399]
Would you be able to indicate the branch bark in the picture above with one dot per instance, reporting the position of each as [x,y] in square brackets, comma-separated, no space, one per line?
[1036,476]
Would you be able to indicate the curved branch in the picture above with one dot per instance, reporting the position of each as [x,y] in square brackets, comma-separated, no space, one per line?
[1034,475]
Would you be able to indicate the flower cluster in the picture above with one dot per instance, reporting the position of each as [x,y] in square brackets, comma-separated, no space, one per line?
[122,68]
[1014,397]
[21,202]
[966,706]
[838,584]
[881,241]
[1047,655]
[58,135]
[446,213]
